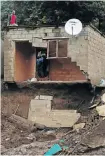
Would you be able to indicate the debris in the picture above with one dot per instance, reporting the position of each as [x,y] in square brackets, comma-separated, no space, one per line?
[21,122]
[96,138]
[101,110]
[44,97]
[50,132]
[78,126]
[103,98]
[3,149]
[31,137]
[17,109]
[39,126]
[33,129]
[37,97]
[46,137]
[33,80]
[53,150]
[92,100]
[96,104]
[7,139]
[71,131]
[61,140]
[102,82]
[65,147]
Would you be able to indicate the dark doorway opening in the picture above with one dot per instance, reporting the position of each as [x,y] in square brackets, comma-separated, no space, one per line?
[25,57]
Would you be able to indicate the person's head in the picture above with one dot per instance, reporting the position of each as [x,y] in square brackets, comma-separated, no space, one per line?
[13,12]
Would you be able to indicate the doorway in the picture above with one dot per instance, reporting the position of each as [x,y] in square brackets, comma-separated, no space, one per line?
[25,61]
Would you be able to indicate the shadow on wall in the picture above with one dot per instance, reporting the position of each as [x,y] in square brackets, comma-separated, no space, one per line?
[25,59]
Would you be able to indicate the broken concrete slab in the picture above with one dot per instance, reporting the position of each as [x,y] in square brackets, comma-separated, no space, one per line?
[101,110]
[64,111]
[103,98]
[42,104]
[43,97]
[37,97]
[34,148]
[96,138]
[57,119]
[78,126]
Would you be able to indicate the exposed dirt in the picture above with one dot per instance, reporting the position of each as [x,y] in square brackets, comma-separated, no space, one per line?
[74,97]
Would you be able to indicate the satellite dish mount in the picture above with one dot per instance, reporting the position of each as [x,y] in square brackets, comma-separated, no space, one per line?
[73,27]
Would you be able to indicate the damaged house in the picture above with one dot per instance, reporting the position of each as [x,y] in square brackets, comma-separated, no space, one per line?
[69,59]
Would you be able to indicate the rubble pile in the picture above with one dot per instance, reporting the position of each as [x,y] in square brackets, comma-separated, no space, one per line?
[36,136]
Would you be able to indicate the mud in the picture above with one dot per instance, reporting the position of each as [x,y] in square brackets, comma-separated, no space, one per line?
[78,97]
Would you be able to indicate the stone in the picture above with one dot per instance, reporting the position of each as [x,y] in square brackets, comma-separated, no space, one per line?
[39,126]
[50,132]
[103,98]
[31,136]
[96,138]
[101,110]
[78,126]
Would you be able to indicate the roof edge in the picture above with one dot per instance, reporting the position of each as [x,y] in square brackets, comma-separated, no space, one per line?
[94,28]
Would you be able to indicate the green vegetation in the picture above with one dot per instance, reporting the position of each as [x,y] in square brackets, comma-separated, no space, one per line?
[54,12]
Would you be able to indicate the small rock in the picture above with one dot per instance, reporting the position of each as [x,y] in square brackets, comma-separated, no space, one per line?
[78,126]
[101,110]
[31,136]
[103,98]
[50,132]
[33,129]
[7,139]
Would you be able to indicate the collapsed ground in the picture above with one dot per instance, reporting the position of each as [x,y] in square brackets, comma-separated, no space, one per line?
[14,136]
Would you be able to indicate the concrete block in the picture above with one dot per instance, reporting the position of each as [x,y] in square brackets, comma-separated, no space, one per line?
[40,104]
[43,97]
[56,121]
[37,97]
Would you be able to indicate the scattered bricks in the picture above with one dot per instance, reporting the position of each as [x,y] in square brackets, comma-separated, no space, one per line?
[42,97]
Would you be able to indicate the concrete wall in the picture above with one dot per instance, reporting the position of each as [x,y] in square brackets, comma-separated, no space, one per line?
[78,50]
[96,56]
[86,50]
[9,59]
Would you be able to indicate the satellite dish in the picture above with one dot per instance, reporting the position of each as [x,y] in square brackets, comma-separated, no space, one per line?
[73,26]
